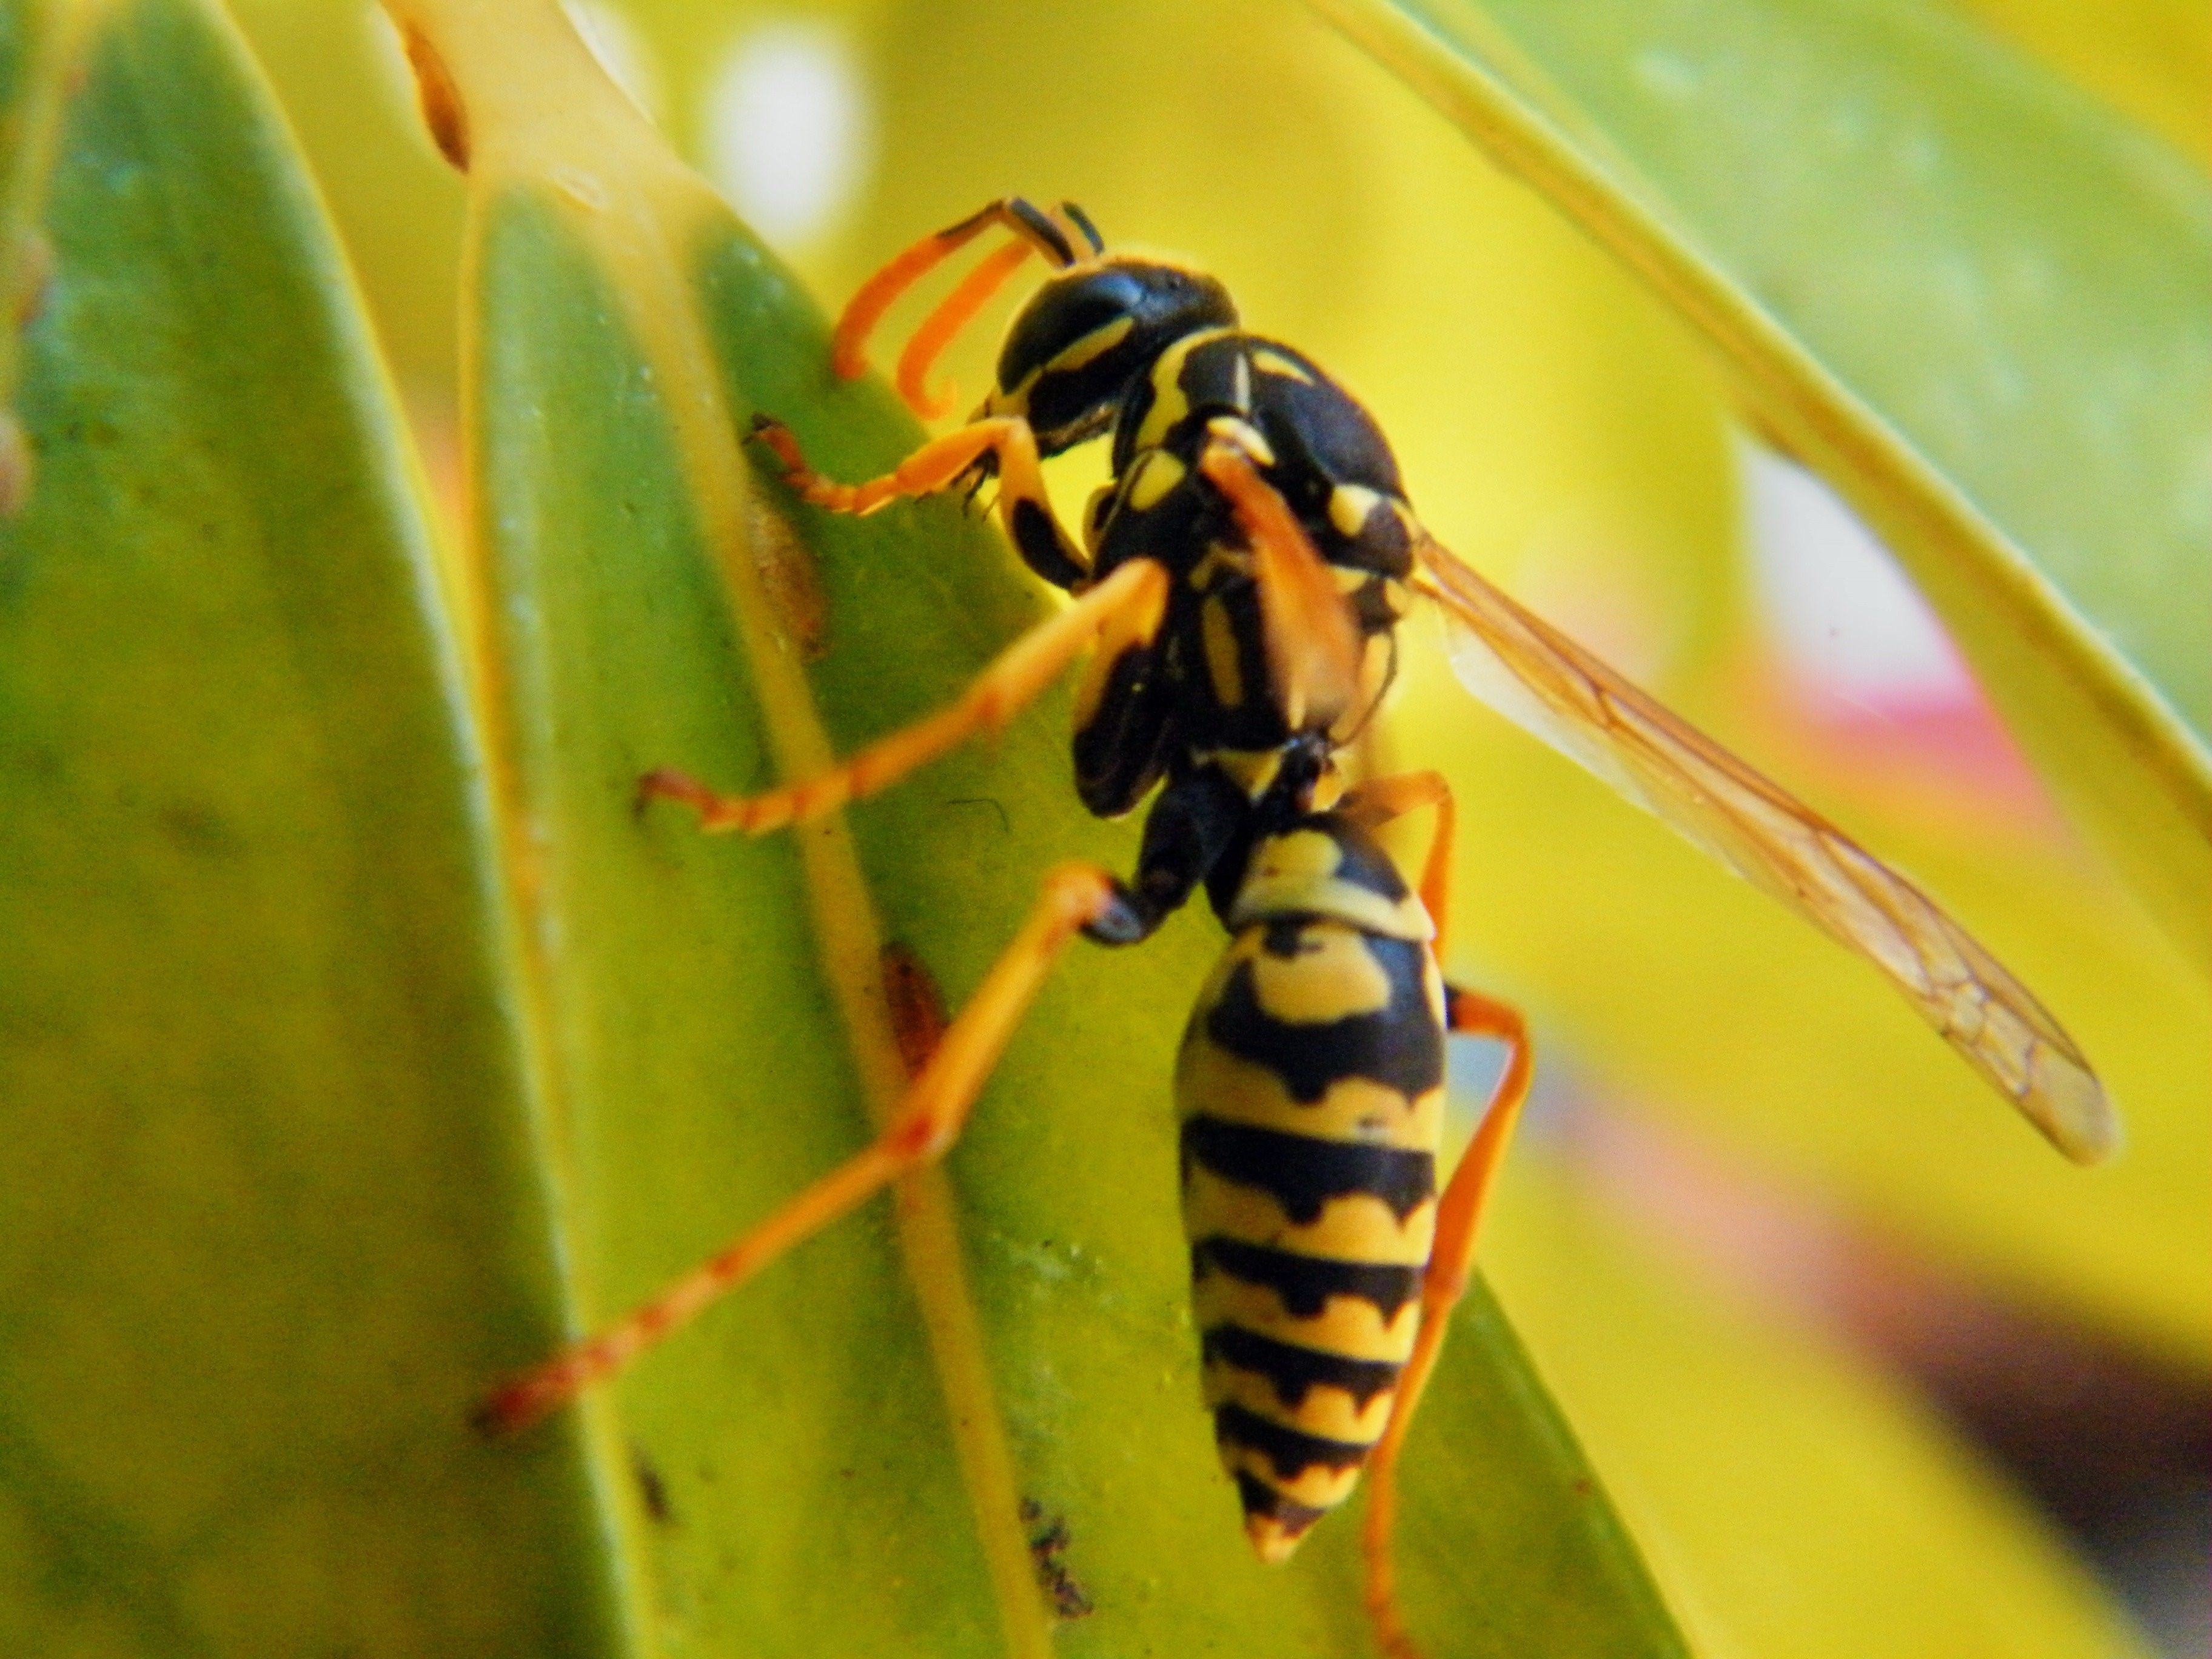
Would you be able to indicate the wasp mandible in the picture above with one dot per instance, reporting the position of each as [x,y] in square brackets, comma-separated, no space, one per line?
[1239,582]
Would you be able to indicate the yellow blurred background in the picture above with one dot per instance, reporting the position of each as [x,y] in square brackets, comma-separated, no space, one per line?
[1868,1368]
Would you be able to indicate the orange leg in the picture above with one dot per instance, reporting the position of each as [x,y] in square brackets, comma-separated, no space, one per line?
[1458,1214]
[1381,800]
[928,1122]
[1020,673]
[1313,644]
[941,327]
[1024,506]
[848,346]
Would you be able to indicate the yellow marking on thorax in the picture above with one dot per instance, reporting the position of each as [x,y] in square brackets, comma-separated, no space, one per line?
[1221,663]
[1327,789]
[1327,1410]
[1348,506]
[1158,471]
[1414,534]
[1014,399]
[1272,362]
[1168,404]
[1351,1227]
[1245,435]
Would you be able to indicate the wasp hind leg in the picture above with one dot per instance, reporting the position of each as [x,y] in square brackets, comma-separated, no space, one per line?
[1459,1211]
[1459,1214]
[1024,506]
[1077,898]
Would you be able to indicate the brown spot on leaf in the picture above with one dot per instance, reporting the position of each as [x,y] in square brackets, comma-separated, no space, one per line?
[34,275]
[198,830]
[651,1490]
[790,580]
[16,466]
[443,113]
[917,1007]
[1049,1541]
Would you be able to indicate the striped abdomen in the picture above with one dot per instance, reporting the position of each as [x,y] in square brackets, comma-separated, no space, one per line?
[1311,1088]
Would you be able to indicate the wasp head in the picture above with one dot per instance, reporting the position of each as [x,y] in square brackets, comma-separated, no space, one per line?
[1090,331]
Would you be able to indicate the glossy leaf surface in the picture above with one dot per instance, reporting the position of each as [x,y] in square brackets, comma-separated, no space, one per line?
[268,1209]
[1980,305]
[843,1449]
[1479,330]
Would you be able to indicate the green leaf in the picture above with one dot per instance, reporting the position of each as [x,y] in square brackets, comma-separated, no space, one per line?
[1797,1501]
[268,1208]
[1978,303]
[842,1451]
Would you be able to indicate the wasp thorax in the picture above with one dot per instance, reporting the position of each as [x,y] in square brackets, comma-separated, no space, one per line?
[1087,333]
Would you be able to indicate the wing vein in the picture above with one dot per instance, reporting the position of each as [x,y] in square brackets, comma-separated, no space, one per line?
[1543,682]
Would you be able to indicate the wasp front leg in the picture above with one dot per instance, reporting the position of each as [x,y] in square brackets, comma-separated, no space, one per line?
[1127,604]
[1031,230]
[1024,506]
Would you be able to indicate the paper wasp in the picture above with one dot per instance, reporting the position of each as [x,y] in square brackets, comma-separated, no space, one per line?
[1241,577]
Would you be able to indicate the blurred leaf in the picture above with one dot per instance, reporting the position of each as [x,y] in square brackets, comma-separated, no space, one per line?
[1679,985]
[1977,301]
[1688,991]
[2151,59]
[337,67]
[269,1213]
[711,1019]
[1795,1504]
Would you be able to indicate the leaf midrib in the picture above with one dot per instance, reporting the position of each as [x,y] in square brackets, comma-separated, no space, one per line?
[637,209]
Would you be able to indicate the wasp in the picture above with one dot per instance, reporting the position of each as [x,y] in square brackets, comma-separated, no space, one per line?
[1239,583]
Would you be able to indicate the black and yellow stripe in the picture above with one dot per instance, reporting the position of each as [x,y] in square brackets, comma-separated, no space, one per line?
[1311,1085]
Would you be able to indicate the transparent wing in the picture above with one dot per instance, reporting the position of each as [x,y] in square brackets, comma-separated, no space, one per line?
[1543,682]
